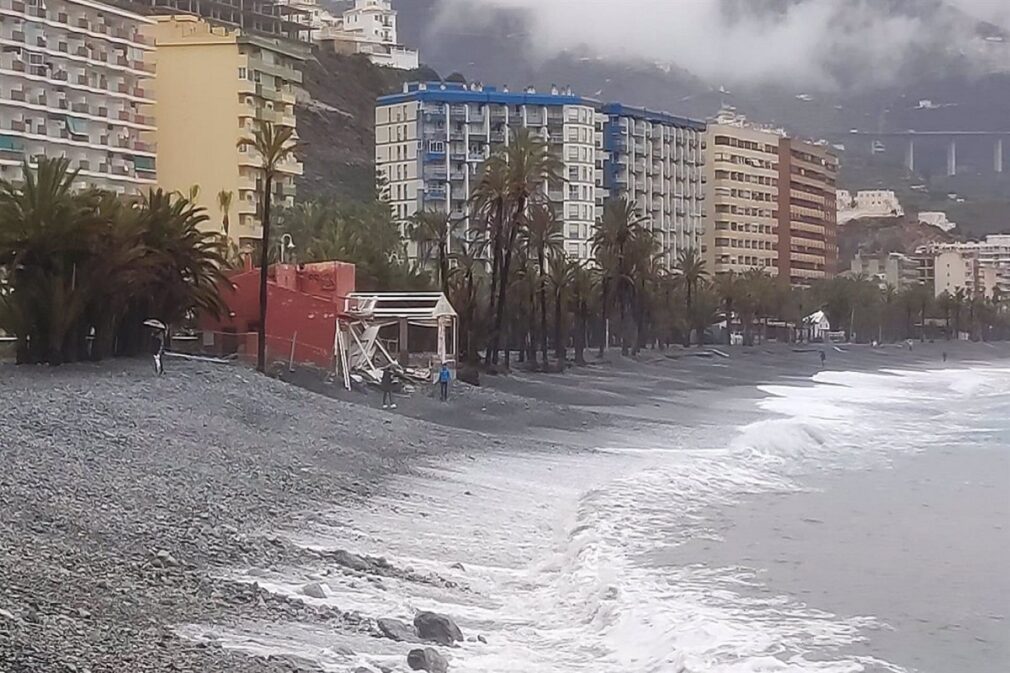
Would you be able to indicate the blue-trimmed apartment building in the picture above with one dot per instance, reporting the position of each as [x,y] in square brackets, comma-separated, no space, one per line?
[431,139]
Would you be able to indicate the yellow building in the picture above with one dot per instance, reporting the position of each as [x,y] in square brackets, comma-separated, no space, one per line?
[742,208]
[211,84]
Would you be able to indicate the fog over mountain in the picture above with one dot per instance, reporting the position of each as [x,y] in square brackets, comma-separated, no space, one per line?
[818,44]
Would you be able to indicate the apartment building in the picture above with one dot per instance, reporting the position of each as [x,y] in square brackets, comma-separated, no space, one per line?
[211,86]
[959,269]
[655,160]
[73,78]
[807,211]
[894,269]
[431,139]
[973,266]
[743,184]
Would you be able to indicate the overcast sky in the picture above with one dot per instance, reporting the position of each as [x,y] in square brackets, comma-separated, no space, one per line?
[727,41]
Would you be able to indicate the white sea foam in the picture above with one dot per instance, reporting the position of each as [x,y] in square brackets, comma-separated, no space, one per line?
[562,554]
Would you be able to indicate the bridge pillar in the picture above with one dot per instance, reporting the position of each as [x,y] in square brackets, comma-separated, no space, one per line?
[997,156]
[910,157]
[952,158]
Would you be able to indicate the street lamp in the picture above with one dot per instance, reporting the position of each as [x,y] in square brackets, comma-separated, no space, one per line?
[286,245]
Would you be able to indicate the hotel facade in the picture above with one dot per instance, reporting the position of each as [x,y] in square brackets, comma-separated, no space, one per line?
[432,139]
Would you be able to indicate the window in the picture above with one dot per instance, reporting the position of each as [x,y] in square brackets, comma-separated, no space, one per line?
[243,73]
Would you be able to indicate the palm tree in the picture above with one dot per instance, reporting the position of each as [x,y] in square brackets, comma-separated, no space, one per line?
[489,201]
[81,263]
[544,238]
[561,276]
[727,288]
[433,229]
[465,276]
[274,145]
[691,270]
[513,178]
[583,285]
[619,225]
[224,200]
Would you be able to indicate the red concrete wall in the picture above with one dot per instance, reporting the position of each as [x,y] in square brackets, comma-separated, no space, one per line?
[331,280]
[302,308]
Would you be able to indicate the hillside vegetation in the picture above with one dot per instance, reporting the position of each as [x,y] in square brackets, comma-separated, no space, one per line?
[336,123]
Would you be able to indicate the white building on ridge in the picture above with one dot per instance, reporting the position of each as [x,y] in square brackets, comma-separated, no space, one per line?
[368,28]
[936,219]
[867,203]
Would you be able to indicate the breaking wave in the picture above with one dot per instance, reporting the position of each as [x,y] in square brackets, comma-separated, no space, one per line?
[562,561]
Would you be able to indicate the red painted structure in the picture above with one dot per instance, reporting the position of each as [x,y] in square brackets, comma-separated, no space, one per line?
[303,302]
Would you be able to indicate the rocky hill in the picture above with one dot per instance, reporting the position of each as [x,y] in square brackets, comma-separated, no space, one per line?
[336,123]
[880,236]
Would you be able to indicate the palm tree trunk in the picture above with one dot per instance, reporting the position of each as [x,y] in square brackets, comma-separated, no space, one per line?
[580,333]
[261,346]
[604,287]
[622,302]
[690,318]
[443,267]
[496,256]
[729,322]
[559,345]
[543,305]
[531,332]
[503,282]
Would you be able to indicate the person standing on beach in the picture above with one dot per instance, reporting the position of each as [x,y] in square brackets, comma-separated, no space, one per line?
[444,376]
[387,388]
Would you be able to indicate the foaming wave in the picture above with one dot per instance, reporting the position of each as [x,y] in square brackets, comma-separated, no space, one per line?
[565,558]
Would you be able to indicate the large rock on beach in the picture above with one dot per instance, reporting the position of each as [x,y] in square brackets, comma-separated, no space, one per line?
[314,590]
[427,659]
[399,631]
[437,628]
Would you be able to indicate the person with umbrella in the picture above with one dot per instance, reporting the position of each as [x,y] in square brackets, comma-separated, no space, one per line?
[160,334]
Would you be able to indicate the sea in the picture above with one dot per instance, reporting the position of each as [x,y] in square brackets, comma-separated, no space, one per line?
[852,522]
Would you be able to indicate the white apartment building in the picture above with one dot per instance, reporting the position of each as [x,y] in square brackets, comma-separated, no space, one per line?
[974,266]
[368,28]
[72,76]
[655,160]
[432,138]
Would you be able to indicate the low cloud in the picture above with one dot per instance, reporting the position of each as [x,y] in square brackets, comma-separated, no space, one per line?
[812,43]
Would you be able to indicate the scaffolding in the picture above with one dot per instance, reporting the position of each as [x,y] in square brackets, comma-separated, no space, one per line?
[359,348]
[263,17]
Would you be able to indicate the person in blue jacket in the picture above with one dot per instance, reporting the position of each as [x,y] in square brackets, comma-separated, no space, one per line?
[444,375]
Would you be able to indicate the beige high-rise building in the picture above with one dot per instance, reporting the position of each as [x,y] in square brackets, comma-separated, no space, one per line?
[741,211]
[211,85]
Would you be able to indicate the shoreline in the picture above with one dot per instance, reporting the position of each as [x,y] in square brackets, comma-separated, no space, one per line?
[128,493]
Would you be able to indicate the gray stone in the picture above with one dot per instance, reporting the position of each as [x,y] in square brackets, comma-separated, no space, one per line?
[314,590]
[437,628]
[396,630]
[427,659]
